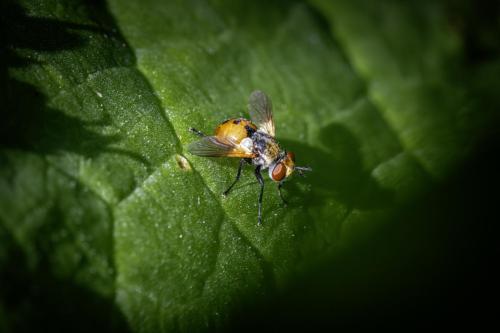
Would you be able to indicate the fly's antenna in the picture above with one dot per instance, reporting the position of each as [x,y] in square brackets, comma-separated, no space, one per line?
[302,169]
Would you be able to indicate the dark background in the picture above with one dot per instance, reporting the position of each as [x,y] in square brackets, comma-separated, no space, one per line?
[433,266]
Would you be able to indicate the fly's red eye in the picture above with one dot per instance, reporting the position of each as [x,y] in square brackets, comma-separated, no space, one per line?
[291,156]
[279,172]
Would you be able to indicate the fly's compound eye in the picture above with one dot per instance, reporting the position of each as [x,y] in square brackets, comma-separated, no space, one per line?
[279,172]
[291,156]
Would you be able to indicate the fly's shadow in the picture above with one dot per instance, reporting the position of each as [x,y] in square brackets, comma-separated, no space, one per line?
[337,171]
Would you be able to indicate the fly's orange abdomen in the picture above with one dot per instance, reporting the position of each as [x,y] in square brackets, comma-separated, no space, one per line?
[235,129]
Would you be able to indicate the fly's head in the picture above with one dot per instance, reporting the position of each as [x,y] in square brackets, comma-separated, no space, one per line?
[285,166]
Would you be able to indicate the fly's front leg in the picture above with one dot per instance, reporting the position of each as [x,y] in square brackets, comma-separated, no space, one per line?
[261,182]
[226,192]
[280,184]
[195,131]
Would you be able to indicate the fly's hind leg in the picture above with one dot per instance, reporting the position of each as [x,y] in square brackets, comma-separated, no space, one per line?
[195,131]
[226,192]
[280,184]
[258,175]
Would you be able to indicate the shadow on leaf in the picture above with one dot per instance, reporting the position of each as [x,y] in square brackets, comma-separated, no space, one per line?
[33,297]
[28,123]
[338,171]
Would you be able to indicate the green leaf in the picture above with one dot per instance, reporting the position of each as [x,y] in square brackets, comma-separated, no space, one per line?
[98,191]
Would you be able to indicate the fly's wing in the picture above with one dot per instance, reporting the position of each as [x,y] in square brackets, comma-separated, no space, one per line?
[212,146]
[261,112]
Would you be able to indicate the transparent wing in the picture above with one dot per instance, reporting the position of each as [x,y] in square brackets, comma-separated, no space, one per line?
[212,146]
[261,111]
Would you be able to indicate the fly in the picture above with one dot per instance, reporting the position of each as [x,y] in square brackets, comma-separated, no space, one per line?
[253,141]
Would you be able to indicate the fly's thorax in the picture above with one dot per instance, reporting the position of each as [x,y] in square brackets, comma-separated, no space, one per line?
[266,149]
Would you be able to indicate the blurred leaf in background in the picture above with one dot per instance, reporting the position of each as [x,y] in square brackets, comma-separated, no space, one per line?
[106,222]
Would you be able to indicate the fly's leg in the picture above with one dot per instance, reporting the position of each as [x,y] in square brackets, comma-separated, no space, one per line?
[280,184]
[226,192]
[261,182]
[195,131]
